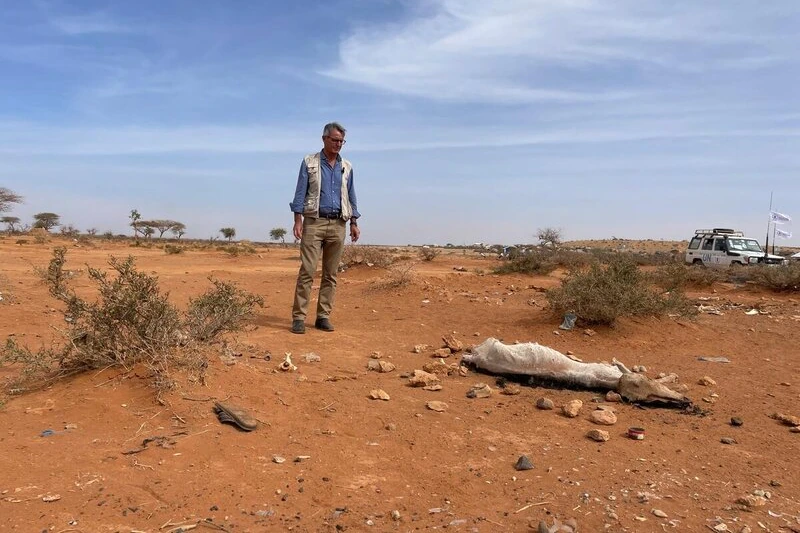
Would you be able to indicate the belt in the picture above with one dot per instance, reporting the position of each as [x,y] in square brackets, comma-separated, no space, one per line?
[334,215]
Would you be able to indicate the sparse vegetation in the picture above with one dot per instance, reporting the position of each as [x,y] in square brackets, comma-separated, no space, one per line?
[8,197]
[540,262]
[46,221]
[398,276]
[11,223]
[278,234]
[428,254]
[228,233]
[781,278]
[236,250]
[366,255]
[549,237]
[171,249]
[677,275]
[130,323]
[602,294]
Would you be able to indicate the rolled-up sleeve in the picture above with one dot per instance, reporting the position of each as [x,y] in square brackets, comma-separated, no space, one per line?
[297,205]
[351,194]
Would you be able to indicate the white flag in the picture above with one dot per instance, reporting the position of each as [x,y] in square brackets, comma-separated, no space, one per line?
[778,218]
[783,234]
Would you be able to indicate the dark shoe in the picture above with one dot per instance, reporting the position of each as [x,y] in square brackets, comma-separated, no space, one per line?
[233,414]
[324,324]
[298,326]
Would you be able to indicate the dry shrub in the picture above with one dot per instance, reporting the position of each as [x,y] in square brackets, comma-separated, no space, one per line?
[779,278]
[679,276]
[540,262]
[397,277]
[131,322]
[602,294]
[366,255]
[428,254]
[40,235]
[171,249]
[235,250]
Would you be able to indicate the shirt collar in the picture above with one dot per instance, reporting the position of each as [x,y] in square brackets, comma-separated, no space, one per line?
[325,158]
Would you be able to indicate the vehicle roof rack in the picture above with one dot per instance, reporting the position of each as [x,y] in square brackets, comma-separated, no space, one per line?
[719,231]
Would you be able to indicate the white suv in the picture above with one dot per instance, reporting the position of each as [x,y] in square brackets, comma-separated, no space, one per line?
[721,247]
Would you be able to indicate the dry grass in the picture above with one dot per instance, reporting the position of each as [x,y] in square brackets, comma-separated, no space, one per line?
[130,323]
[366,255]
[397,277]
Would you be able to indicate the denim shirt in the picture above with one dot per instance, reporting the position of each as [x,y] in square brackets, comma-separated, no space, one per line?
[330,199]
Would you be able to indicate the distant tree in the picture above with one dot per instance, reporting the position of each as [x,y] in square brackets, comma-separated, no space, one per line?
[8,197]
[135,217]
[278,234]
[46,220]
[178,229]
[69,230]
[148,231]
[92,231]
[161,226]
[11,222]
[228,233]
[549,236]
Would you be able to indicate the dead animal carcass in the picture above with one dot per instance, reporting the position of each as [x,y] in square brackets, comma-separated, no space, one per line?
[545,364]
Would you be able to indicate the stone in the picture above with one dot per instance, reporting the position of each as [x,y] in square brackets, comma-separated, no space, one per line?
[439,407]
[728,440]
[479,390]
[598,435]
[659,513]
[277,459]
[603,417]
[442,352]
[545,404]
[736,421]
[707,382]
[420,378]
[589,332]
[380,366]
[378,394]
[48,498]
[432,387]
[511,389]
[751,501]
[572,408]
[639,369]
[396,515]
[452,343]
[419,348]
[523,463]
[311,357]
[788,420]
[376,355]
[613,397]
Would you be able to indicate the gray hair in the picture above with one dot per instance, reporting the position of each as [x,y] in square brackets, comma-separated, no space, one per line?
[326,131]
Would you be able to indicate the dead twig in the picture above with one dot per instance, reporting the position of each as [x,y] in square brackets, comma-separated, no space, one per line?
[326,407]
[531,505]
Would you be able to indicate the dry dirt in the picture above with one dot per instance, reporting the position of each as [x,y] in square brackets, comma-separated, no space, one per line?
[368,458]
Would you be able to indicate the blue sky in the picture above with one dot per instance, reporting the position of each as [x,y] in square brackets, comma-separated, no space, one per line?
[467,120]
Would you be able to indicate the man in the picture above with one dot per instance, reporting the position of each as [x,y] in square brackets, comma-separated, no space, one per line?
[324,200]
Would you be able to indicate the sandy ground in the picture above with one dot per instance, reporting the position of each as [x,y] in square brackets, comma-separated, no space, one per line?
[367,458]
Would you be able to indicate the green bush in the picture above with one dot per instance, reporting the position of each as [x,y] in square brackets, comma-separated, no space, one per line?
[779,278]
[539,262]
[602,294]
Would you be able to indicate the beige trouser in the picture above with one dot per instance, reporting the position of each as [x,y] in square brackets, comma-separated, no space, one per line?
[319,235]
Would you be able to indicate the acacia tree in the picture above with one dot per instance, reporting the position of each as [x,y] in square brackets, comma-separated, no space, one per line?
[228,233]
[148,232]
[549,236]
[11,222]
[178,229]
[46,220]
[8,197]
[162,226]
[278,234]
[135,217]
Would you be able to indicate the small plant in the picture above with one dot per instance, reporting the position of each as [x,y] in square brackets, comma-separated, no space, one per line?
[602,294]
[366,255]
[398,276]
[540,262]
[171,249]
[780,278]
[131,322]
[428,254]
[679,276]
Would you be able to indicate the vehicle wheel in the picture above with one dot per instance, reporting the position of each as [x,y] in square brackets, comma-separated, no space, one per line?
[698,262]
[736,264]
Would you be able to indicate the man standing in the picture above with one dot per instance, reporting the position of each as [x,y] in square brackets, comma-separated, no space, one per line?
[325,199]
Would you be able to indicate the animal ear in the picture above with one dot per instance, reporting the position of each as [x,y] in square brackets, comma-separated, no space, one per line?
[622,367]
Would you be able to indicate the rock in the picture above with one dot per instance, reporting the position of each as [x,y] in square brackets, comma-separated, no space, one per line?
[376,355]
[311,357]
[794,430]
[728,440]
[301,458]
[462,371]
[572,408]
[788,420]
[589,332]
[598,435]
[479,390]
[736,421]
[511,389]
[277,459]
[707,382]
[440,368]
[545,404]
[639,369]
[751,501]
[48,498]
[419,348]
[380,366]
[659,513]
[422,379]
[452,343]
[396,515]
[439,407]
[442,352]
[667,378]
[603,417]
[613,397]
[378,394]
[523,463]
[432,387]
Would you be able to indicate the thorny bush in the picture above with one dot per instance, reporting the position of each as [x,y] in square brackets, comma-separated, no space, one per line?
[602,294]
[131,322]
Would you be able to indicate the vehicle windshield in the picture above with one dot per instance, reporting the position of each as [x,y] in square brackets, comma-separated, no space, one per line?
[744,245]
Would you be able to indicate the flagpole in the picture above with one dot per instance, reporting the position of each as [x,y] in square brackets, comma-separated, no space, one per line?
[769,219]
[774,238]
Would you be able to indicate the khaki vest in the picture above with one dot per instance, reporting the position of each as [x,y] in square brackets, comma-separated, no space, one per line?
[311,203]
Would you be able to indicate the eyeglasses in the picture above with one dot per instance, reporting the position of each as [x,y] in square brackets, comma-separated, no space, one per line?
[336,141]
